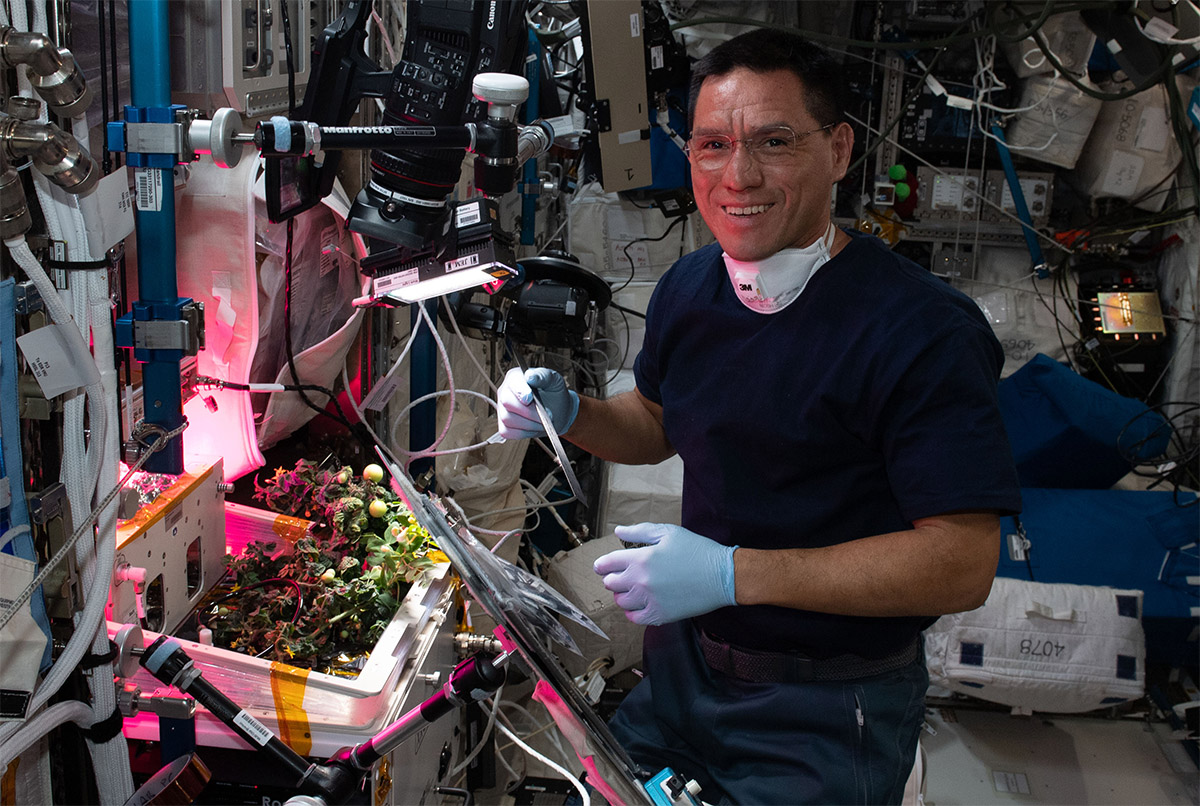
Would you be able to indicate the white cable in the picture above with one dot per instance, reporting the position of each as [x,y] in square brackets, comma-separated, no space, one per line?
[15,531]
[412,337]
[575,782]
[111,757]
[35,728]
[487,730]
[1166,40]
[385,446]
[529,508]
[399,420]
[548,504]
[445,356]
[414,455]
[483,373]
[1016,109]
[538,726]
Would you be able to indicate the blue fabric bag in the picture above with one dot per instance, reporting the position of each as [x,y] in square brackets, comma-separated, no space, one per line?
[1068,432]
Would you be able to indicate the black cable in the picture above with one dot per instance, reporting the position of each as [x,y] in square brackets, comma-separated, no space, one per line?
[216,383]
[1127,219]
[262,583]
[1183,133]
[1058,272]
[1174,468]
[340,417]
[632,264]
[1092,92]
[1010,39]
[106,161]
[115,113]
[629,311]
[287,50]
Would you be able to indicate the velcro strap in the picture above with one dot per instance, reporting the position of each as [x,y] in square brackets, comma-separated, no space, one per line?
[104,730]
[90,661]
[78,265]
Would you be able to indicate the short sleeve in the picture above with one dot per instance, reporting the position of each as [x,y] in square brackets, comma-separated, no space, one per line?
[942,434]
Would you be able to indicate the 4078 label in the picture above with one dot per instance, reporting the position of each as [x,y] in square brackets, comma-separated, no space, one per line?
[1041,648]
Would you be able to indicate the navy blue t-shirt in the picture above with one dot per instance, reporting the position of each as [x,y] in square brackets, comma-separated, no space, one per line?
[866,404]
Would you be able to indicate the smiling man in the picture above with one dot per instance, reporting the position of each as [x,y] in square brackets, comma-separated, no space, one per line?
[845,463]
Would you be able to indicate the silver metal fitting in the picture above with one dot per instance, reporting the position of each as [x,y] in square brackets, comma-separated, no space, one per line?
[52,70]
[55,153]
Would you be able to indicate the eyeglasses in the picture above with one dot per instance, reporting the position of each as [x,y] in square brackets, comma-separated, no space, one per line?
[774,146]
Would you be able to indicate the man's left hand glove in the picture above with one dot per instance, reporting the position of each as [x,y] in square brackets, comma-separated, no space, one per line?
[677,575]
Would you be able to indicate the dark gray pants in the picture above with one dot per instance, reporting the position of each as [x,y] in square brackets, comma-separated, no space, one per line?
[764,743]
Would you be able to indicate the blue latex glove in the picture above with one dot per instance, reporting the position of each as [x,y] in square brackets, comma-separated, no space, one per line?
[677,575]
[514,403]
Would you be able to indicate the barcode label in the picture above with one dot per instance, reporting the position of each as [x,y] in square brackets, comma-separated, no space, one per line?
[398,280]
[467,215]
[148,187]
[254,729]
[382,393]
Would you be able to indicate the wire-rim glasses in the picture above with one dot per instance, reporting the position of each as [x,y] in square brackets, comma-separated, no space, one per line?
[776,145]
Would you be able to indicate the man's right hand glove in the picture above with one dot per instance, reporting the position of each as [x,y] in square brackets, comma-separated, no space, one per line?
[514,403]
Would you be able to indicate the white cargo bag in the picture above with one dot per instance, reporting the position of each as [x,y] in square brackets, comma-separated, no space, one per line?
[1044,647]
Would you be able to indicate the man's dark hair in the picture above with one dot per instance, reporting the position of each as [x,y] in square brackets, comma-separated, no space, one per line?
[765,49]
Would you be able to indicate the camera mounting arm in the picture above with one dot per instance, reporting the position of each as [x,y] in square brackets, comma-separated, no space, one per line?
[501,145]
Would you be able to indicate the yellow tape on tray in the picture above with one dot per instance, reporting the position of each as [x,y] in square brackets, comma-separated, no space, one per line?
[290,529]
[287,687]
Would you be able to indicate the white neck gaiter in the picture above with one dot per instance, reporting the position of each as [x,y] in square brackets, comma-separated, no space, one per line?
[772,284]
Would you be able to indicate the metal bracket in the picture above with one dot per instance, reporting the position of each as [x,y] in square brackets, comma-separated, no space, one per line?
[32,404]
[154,138]
[603,115]
[154,335]
[48,504]
[185,334]
[28,300]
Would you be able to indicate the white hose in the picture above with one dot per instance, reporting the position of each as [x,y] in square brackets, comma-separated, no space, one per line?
[575,782]
[111,757]
[81,465]
[445,356]
[34,729]
[118,782]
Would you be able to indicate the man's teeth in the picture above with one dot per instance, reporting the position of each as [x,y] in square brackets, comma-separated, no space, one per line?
[758,208]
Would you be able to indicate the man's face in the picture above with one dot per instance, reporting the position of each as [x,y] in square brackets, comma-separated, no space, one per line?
[755,210]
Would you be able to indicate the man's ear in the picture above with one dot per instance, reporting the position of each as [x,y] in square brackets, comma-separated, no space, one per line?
[843,143]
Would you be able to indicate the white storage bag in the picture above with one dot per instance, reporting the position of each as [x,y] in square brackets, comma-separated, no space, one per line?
[1044,647]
